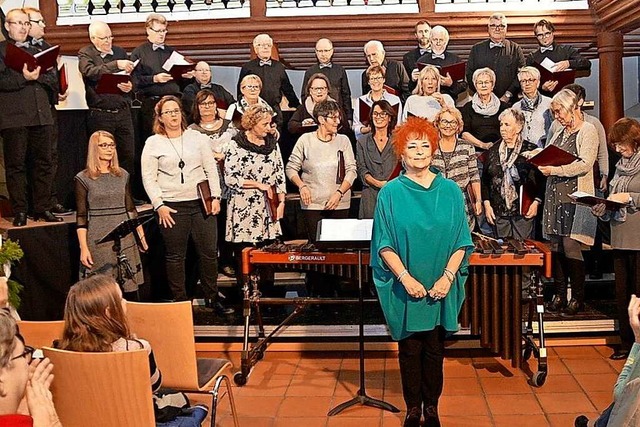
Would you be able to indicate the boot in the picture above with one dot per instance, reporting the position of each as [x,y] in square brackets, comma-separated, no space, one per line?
[577,272]
[431,418]
[559,300]
[413,417]
[573,307]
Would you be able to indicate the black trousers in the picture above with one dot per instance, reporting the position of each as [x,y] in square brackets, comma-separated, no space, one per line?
[120,125]
[313,217]
[626,266]
[33,144]
[421,358]
[190,222]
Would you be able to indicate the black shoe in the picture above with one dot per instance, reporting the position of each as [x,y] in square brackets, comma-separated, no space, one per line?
[20,220]
[581,421]
[228,271]
[46,216]
[220,309]
[431,418]
[58,209]
[619,354]
[139,202]
[413,418]
[557,304]
[573,307]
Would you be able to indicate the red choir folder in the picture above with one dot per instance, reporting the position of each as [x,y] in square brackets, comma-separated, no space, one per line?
[552,156]
[63,79]
[221,104]
[365,111]
[15,58]
[582,198]
[177,70]
[563,78]
[391,90]
[456,71]
[272,203]
[204,193]
[108,83]
[527,197]
[395,172]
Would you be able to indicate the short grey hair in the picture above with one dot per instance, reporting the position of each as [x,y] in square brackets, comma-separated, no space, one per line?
[439,29]
[516,114]
[480,71]
[378,45]
[529,70]
[259,37]
[566,99]
[95,26]
[499,17]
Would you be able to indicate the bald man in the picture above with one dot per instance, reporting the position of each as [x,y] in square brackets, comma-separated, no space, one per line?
[340,90]
[109,112]
[202,77]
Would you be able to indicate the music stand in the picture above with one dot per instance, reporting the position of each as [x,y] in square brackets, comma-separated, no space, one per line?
[352,234]
[119,232]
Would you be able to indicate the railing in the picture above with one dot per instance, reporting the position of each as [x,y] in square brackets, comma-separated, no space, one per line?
[508,5]
[339,7]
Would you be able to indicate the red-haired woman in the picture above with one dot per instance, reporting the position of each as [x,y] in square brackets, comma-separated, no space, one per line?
[420,280]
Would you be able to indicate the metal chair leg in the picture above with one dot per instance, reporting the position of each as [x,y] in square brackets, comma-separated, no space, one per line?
[214,401]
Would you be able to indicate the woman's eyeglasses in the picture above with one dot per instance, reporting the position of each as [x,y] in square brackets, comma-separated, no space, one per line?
[251,87]
[160,31]
[171,112]
[380,115]
[448,123]
[105,145]
[208,104]
[27,354]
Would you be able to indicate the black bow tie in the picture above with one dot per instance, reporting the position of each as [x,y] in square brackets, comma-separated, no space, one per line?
[23,44]
[157,46]
[263,62]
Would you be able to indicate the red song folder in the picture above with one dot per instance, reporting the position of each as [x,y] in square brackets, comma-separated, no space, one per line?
[456,71]
[108,83]
[63,79]
[563,78]
[552,156]
[15,58]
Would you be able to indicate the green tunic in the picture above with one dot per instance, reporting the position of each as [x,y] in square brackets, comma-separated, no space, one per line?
[424,226]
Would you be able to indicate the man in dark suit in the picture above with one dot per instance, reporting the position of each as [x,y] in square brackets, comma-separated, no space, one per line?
[25,125]
[503,56]
[441,57]
[340,90]
[275,81]
[396,76]
[107,111]
[564,56]
[410,59]
[202,74]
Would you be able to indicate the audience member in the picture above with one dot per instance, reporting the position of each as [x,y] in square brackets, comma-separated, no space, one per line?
[375,158]
[422,31]
[338,81]
[103,200]
[26,127]
[375,76]
[272,73]
[395,76]
[503,56]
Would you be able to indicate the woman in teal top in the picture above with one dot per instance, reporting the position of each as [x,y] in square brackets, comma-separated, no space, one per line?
[419,254]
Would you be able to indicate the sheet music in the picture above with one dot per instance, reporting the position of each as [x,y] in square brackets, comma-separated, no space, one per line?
[124,72]
[345,230]
[174,59]
[548,64]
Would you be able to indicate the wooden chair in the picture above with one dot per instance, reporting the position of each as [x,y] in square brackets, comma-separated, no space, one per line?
[102,389]
[41,334]
[169,329]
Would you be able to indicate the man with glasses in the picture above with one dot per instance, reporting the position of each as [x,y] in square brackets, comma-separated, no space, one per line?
[202,74]
[396,76]
[340,90]
[503,56]
[109,112]
[275,81]
[564,56]
[441,57]
[25,126]
[151,81]
[410,59]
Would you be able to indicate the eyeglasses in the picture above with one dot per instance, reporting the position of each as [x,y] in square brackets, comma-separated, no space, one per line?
[318,89]
[20,23]
[105,145]
[484,83]
[380,114]
[203,70]
[160,31]
[543,35]
[376,79]
[435,40]
[324,50]
[334,117]
[208,104]
[171,112]
[251,87]
[27,354]
[263,45]
[38,21]
[499,27]
[105,38]
[528,81]
[449,123]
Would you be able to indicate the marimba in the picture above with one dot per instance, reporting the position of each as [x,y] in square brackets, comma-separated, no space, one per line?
[492,309]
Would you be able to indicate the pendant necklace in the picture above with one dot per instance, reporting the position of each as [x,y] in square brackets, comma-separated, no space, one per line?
[181,162]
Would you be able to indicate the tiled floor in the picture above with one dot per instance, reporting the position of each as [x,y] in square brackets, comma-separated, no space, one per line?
[298,389]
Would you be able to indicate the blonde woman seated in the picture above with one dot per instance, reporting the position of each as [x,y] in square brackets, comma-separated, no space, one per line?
[427,101]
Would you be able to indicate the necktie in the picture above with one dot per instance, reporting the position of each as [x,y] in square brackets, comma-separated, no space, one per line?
[157,46]
[37,42]
[546,49]
[263,62]
[437,55]
[492,45]
[23,44]
[327,65]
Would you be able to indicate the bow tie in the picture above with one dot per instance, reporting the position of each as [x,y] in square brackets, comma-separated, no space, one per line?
[104,54]
[157,46]
[546,49]
[327,65]
[205,86]
[263,62]
[37,42]
[437,55]
[492,45]
[423,51]
[23,44]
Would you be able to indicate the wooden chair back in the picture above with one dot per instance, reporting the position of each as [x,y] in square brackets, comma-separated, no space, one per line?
[169,329]
[102,389]
[41,334]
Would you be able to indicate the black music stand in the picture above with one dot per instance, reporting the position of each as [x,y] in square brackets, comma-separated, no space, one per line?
[329,229]
[119,232]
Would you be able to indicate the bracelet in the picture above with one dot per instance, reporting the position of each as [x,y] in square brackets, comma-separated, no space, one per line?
[339,191]
[402,274]
[449,274]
